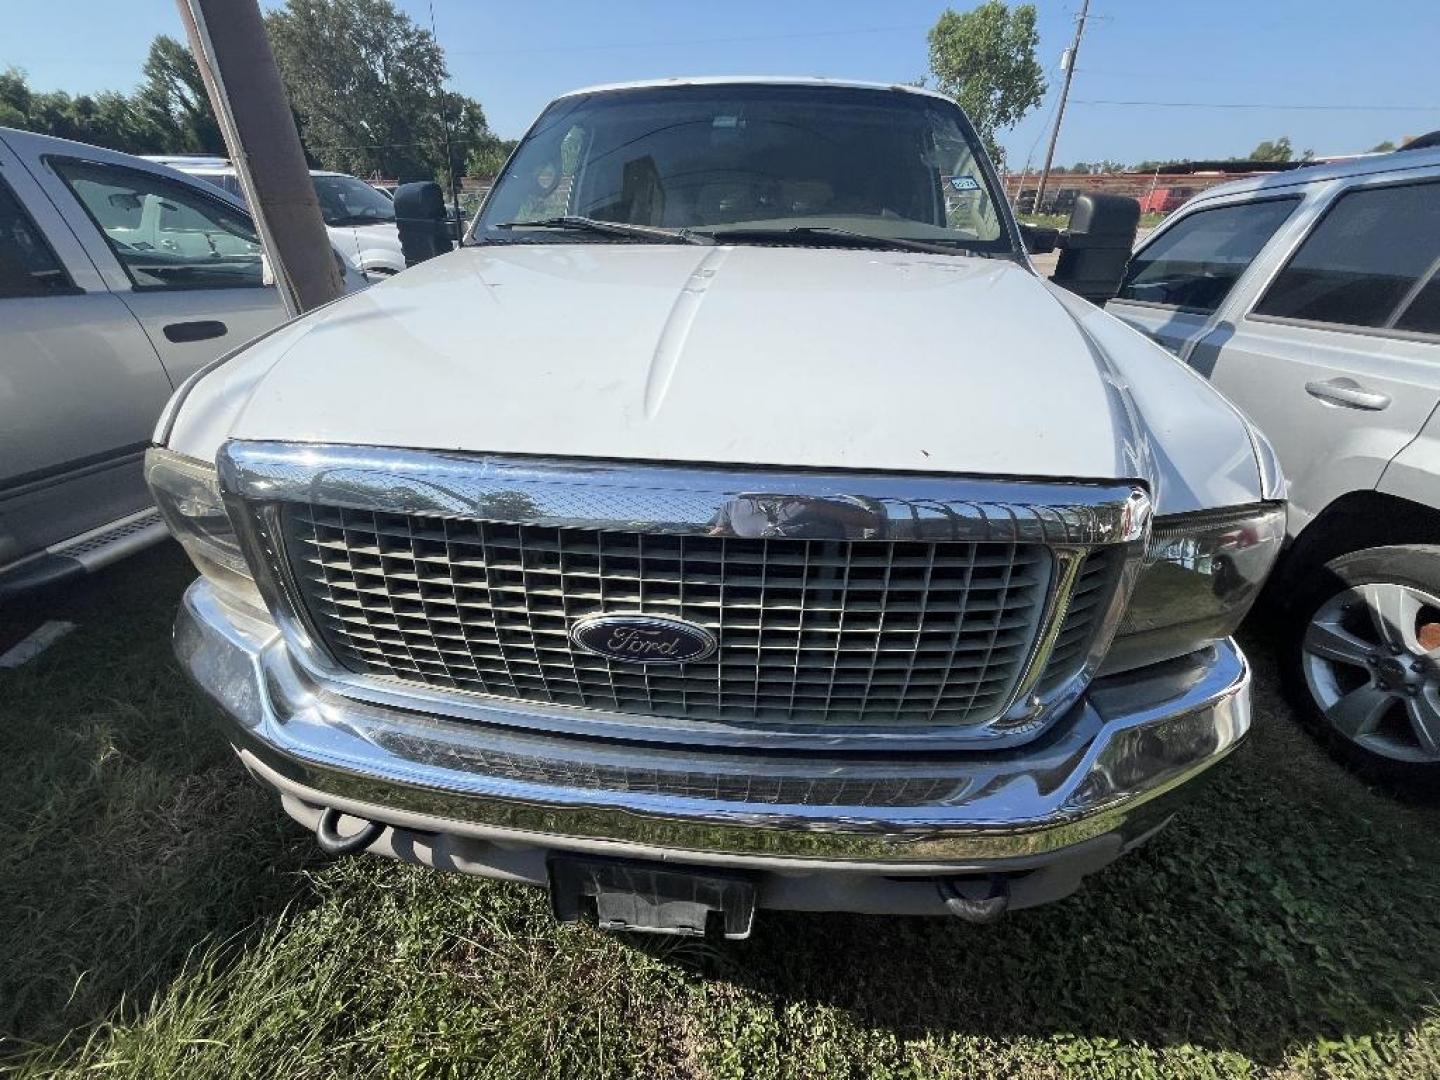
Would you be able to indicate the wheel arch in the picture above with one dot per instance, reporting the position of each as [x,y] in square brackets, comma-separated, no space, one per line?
[1357,520]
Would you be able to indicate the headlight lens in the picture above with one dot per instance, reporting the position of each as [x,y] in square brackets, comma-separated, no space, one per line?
[187,492]
[1201,574]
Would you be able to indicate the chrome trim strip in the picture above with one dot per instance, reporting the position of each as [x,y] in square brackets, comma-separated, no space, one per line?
[1024,709]
[893,810]
[641,497]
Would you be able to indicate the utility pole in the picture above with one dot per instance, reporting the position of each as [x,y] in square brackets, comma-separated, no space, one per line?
[445,130]
[227,38]
[1070,56]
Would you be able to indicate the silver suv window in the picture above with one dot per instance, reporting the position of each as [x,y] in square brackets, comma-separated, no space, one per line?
[27,265]
[1371,262]
[1195,263]
[167,235]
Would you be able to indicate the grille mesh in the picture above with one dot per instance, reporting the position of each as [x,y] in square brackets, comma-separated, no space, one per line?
[814,632]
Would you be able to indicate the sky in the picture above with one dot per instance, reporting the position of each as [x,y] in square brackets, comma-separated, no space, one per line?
[1215,76]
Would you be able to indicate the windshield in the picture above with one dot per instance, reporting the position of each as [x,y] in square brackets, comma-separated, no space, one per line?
[344,200]
[809,164]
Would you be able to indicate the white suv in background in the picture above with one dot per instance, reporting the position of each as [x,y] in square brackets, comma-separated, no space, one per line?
[360,220]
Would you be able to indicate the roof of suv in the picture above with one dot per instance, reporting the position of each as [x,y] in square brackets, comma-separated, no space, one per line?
[757,80]
[203,163]
[1371,164]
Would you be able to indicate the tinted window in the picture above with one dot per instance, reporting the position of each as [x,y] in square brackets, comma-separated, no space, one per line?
[27,265]
[1422,314]
[345,200]
[1370,262]
[1195,262]
[167,234]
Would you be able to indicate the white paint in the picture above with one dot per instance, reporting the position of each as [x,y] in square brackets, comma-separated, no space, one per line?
[774,356]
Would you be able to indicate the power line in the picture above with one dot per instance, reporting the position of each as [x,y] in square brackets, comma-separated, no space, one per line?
[1258,105]
[477,139]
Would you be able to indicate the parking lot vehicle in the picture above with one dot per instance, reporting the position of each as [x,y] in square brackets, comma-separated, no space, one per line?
[1164,200]
[759,536]
[118,279]
[1311,299]
[359,217]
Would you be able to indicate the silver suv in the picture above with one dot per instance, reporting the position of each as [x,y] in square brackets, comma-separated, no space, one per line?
[119,279]
[1312,299]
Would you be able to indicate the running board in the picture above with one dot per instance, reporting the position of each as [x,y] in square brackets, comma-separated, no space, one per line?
[85,553]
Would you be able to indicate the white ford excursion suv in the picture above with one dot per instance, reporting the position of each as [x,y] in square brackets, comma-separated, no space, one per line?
[736,520]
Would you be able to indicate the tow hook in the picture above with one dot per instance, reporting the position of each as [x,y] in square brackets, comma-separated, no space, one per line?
[987,909]
[327,834]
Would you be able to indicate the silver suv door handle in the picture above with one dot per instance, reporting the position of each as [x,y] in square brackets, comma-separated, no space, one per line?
[1349,393]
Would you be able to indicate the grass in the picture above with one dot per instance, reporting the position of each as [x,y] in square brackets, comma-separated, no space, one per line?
[163,919]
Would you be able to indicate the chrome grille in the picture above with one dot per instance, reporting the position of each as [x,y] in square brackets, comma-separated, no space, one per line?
[890,633]
[1093,587]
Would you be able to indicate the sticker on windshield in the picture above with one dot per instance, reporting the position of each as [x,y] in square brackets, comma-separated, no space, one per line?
[964,183]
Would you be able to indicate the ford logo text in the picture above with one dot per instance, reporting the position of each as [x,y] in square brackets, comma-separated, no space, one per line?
[643,639]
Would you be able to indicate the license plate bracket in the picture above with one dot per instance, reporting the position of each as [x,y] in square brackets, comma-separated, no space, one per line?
[649,898]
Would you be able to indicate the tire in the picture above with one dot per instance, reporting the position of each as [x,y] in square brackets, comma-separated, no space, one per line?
[1361,663]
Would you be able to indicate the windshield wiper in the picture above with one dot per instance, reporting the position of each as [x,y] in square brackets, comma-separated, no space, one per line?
[612,228]
[824,232]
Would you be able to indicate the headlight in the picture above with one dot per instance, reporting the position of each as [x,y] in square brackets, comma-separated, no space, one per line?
[1201,574]
[188,495]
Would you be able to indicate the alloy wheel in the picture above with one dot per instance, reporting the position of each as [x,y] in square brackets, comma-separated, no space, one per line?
[1371,658]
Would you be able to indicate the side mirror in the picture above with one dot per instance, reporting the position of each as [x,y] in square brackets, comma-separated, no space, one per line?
[1038,239]
[1095,249]
[420,217]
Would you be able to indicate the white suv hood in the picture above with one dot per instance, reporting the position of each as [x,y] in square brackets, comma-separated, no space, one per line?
[747,355]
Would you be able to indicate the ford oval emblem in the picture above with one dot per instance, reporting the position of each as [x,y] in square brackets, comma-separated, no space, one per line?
[643,639]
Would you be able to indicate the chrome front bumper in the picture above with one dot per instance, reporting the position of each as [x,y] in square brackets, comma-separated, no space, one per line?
[883,814]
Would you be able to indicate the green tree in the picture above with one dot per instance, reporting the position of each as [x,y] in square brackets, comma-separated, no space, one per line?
[1382,147]
[106,119]
[173,103]
[985,59]
[14,98]
[488,156]
[1278,150]
[364,82]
